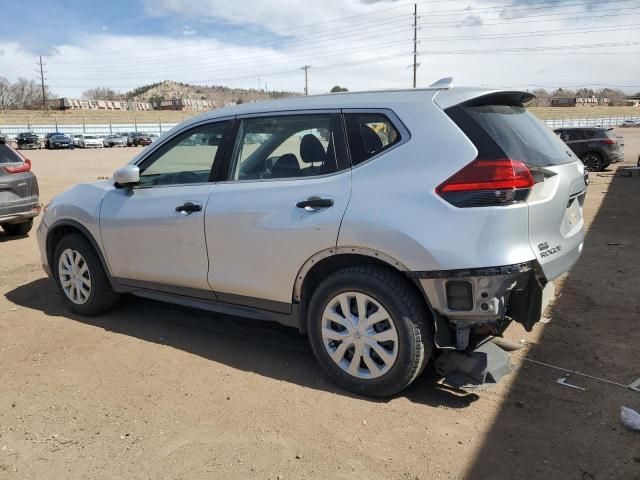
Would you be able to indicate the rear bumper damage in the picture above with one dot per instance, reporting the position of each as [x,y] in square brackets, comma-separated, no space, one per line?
[470,306]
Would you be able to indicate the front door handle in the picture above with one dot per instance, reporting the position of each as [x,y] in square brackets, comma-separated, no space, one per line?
[314,203]
[188,208]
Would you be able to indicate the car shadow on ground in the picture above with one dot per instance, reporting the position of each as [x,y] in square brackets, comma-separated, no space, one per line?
[261,347]
[544,430]
[7,238]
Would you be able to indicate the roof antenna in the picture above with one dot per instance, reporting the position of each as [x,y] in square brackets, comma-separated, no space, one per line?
[446,82]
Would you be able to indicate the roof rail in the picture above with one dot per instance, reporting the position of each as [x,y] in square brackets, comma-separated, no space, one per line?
[445,83]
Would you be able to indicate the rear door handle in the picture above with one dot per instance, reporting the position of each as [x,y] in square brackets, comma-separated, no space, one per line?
[314,203]
[188,208]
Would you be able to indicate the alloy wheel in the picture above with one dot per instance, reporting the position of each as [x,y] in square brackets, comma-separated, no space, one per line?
[593,163]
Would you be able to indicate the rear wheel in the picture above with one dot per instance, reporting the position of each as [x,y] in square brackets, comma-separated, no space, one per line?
[593,162]
[369,330]
[81,278]
[21,228]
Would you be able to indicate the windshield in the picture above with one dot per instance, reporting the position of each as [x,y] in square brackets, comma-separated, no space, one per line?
[89,137]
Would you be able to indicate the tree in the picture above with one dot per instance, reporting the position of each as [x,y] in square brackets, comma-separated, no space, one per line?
[561,92]
[24,94]
[101,93]
[585,93]
[239,101]
[338,88]
[542,98]
[615,96]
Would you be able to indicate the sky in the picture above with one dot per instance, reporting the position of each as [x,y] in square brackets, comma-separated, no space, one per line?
[358,44]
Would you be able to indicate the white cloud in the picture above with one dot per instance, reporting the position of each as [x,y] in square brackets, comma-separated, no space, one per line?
[361,52]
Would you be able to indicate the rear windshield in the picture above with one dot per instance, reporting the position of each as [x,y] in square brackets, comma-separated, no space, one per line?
[520,134]
[7,155]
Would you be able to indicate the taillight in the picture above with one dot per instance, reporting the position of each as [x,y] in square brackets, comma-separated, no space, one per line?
[25,167]
[608,141]
[485,183]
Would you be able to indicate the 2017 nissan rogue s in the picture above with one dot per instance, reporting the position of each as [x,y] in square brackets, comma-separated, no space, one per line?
[391,227]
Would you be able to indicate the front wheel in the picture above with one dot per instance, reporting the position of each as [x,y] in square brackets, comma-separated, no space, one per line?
[81,278]
[369,330]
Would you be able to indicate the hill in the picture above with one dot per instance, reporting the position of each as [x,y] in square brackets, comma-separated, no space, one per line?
[169,90]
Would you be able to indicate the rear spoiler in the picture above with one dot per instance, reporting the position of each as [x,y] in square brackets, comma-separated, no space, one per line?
[476,97]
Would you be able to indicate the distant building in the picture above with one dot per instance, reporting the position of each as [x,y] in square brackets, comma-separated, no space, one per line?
[579,102]
[633,101]
[81,104]
[563,101]
[186,104]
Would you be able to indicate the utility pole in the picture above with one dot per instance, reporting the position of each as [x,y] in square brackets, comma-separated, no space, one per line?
[44,95]
[306,79]
[415,43]
[258,83]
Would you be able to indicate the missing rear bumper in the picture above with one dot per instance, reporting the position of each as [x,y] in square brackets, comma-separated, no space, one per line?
[483,301]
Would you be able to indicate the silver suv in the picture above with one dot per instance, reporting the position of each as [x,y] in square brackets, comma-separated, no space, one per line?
[388,226]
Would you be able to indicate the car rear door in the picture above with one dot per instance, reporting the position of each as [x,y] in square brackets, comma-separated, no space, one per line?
[284,197]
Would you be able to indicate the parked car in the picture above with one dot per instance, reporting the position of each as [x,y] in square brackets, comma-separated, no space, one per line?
[381,239]
[90,141]
[597,147]
[76,140]
[59,140]
[28,141]
[114,141]
[130,136]
[630,123]
[47,137]
[19,202]
[140,139]
[153,137]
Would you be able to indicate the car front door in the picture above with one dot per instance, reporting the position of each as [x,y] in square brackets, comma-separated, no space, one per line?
[153,233]
[286,192]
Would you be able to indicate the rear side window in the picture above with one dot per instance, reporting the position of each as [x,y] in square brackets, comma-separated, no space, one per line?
[369,134]
[517,133]
[7,155]
[576,135]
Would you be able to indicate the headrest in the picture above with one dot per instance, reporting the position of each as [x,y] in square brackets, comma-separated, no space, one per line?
[311,150]
[372,141]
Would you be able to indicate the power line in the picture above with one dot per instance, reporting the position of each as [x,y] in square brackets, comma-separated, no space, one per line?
[350,28]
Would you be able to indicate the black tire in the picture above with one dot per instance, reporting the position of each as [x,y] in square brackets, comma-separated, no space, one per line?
[15,229]
[593,162]
[102,298]
[409,315]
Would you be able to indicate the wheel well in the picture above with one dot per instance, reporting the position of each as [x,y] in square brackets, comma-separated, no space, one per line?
[334,263]
[62,231]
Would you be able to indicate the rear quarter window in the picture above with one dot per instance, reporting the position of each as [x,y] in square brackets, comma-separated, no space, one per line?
[517,132]
[369,134]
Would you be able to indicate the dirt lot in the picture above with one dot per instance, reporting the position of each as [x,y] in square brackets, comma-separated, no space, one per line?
[163,392]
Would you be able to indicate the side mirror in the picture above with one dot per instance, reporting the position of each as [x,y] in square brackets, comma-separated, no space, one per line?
[127,176]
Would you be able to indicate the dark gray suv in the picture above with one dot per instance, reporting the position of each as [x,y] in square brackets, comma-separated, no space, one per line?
[18,192]
[597,147]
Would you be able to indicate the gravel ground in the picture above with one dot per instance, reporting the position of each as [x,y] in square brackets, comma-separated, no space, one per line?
[164,392]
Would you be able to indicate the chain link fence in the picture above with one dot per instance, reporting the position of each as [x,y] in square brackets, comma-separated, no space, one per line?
[158,127]
[600,121]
